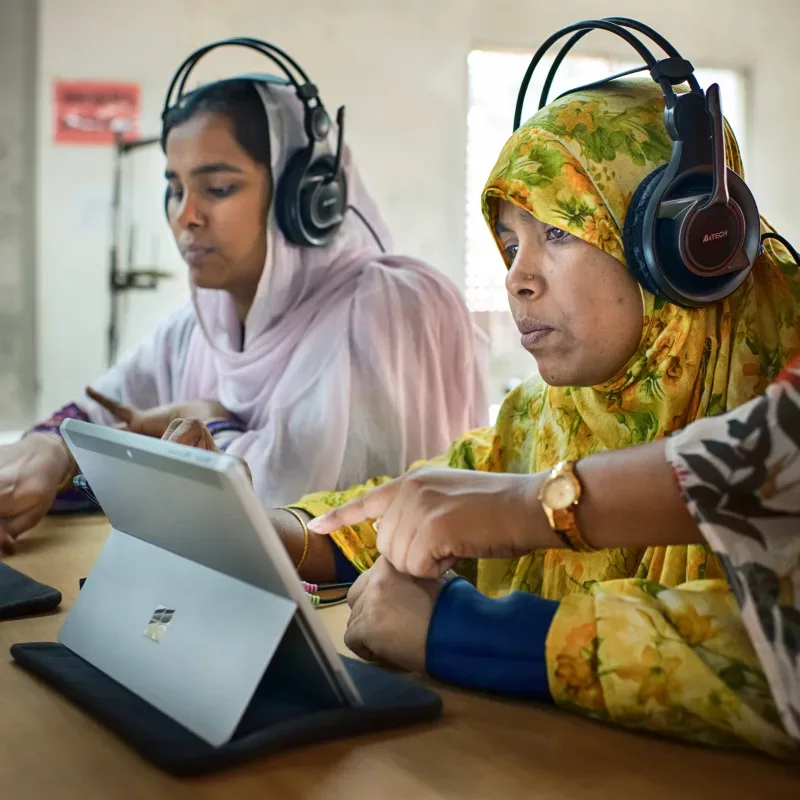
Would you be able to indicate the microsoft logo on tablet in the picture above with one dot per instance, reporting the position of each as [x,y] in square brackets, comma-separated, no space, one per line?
[157,627]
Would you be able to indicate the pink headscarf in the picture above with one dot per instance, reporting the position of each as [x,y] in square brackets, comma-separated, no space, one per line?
[353,363]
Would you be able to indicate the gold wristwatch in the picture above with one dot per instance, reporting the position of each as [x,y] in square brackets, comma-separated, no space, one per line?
[559,495]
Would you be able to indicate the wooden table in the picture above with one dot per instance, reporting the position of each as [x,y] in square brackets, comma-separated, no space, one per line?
[483,748]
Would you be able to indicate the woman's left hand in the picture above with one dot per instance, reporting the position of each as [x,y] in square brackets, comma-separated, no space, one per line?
[390,616]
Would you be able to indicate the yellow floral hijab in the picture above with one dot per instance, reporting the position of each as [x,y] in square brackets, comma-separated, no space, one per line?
[575,165]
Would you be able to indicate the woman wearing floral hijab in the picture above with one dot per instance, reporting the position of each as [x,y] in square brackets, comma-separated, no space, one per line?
[644,633]
[617,365]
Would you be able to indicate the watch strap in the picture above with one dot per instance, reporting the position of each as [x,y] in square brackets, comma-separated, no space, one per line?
[566,526]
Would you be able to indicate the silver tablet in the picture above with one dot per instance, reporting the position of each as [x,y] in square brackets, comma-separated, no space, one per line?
[193,600]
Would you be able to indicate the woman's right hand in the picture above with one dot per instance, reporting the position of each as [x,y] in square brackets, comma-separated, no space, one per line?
[31,472]
[429,519]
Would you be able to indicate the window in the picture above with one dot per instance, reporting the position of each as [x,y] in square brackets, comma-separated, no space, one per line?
[494,79]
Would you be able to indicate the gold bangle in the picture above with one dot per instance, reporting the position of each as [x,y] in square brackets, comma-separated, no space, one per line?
[294,512]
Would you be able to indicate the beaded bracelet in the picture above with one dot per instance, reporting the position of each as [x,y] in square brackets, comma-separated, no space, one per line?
[311,590]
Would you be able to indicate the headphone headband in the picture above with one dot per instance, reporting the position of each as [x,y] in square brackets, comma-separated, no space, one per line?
[279,57]
[666,72]
[316,121]
[691,232]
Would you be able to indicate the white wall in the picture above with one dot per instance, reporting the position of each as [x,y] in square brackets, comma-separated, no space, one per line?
[401,69]
[17,229]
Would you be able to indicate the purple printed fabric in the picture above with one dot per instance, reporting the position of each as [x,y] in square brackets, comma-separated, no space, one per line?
[53,425]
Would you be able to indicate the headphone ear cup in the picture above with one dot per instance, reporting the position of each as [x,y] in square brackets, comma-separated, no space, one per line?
[633,231]
[303,200]
[323,198]
[288,198]
[668,276]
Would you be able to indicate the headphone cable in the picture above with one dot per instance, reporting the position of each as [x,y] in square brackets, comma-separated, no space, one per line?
[778,238]
[369,228]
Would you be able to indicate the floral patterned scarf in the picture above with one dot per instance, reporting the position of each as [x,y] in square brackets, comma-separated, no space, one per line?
[575,165]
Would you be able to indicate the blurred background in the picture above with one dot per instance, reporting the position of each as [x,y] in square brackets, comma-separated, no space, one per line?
[429,85]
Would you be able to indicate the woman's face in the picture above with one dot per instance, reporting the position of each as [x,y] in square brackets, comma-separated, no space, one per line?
[218,204]
[578,309]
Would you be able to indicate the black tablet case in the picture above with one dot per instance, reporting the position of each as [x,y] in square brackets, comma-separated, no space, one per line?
[280,715]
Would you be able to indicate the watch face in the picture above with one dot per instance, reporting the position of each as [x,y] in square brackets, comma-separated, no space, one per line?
[559,492]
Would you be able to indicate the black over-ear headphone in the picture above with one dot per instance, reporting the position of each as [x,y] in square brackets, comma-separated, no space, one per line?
[311,196]
[691,234]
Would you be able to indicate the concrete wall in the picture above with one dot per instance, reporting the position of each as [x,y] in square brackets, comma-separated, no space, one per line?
[401,68]
[17,211]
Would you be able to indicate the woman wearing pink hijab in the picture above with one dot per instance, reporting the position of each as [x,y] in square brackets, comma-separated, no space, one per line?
[314,364]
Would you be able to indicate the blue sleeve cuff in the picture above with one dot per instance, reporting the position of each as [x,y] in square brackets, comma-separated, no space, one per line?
[345,571]
[492,645]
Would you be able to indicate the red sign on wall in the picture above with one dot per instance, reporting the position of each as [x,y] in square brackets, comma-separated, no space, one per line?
[93,112]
